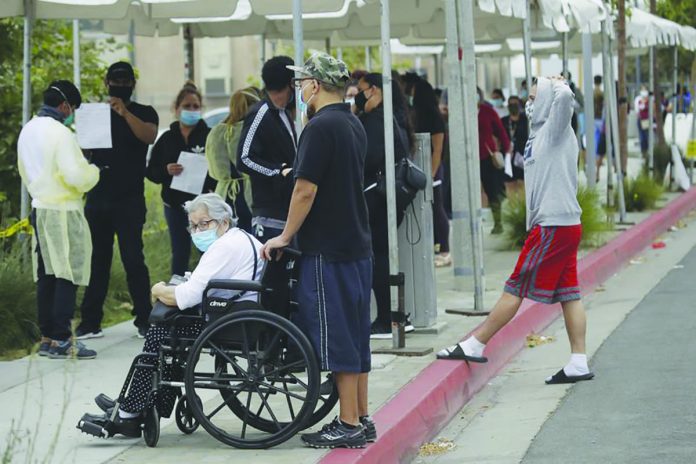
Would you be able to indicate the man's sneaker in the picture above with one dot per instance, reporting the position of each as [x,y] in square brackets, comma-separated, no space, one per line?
[369,428]
[380,331]
[408,328]
[83,334]
[44,346]
[68,349]
[336,435]
[142,331]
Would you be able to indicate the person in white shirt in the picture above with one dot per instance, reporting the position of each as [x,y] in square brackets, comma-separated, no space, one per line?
[57,175]
[228,253]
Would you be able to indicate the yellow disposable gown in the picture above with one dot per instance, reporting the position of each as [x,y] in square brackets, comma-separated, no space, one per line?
[57,175]
[221,150]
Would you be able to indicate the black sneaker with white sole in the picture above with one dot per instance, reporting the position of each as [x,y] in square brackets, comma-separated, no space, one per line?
[85,334]
[336,434]
[369,428]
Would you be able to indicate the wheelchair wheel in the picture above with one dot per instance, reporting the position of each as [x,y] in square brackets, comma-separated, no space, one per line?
[151,427]
[184,417]
[241,356]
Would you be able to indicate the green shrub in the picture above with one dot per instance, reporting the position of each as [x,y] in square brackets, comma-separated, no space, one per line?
[641,193]
[593,218]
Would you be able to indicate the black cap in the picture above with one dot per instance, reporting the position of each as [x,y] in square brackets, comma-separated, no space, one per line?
[120,70]
[63,90]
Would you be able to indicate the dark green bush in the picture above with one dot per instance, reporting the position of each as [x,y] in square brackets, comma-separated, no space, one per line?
[641,193]
[593,218]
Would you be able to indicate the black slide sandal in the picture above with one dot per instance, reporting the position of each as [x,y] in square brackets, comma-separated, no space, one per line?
[457,354]
[560,377]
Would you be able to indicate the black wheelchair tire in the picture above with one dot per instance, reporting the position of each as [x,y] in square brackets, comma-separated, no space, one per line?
[185,420]
[288,429]
[151,427]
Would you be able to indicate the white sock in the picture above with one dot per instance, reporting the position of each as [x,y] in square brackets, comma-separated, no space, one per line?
[577,365]
[472,347]
[127,415]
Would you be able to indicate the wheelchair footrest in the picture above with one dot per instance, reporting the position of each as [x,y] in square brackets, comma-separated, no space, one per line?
[93,429]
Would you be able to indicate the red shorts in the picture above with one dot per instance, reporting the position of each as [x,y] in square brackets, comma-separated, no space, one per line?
[547,269]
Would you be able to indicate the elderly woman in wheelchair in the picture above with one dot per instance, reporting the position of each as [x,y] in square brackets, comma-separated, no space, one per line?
[250,377]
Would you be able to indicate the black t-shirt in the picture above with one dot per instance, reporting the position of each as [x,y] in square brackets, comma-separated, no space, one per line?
[430,123]
[331,154]
[123,166]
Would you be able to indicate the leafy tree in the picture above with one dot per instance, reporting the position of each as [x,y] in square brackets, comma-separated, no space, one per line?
[52,58]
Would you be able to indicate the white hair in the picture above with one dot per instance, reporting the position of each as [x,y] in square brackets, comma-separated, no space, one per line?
[215,206]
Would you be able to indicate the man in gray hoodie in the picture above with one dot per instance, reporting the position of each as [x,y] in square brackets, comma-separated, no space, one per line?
[546,270]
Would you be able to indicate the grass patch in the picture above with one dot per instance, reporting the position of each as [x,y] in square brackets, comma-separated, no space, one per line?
[641,193]
[18,290]
[593,219]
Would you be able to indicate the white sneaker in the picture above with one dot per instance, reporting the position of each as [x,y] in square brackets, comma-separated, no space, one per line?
[79,335]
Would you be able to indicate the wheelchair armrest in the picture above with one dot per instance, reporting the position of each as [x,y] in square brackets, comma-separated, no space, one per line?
[162,313]
[230,284]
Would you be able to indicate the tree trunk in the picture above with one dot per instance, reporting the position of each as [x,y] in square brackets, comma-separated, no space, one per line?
[621,91]
[659,126]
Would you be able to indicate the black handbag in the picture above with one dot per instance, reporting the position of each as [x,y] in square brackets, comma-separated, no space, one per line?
[409,179]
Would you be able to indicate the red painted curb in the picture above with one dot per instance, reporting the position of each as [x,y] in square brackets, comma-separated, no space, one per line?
[427,403]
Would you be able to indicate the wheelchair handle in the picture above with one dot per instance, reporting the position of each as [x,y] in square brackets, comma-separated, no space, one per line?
[289,251]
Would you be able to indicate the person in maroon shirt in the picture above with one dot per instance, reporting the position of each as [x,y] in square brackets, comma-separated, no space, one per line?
[492,138]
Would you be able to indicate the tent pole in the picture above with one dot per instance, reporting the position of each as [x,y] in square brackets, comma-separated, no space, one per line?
[590,166]
[76,53]
[462,238]
[298,37]
[339,53]
[610,94]
[527,42]
[639,81]
[368,59]
[262,43]
[465,18]
[26,89]
[564,51]
[651,114]
[675,100]
[398,340]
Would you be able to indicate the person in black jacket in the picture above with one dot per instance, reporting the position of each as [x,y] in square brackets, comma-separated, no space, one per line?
[267,148]
[187,134]
[369,103]
[116,205]
[517,128]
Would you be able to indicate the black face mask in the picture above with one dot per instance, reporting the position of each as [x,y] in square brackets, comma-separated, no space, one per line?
[514,109]
[360,100]
[118,91]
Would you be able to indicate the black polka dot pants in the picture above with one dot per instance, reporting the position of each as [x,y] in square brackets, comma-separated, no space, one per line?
[141,384]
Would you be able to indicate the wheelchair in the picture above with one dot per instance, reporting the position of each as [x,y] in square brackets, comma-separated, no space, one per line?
[251,379]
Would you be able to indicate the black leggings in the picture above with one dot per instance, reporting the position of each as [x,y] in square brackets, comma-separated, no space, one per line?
[440,221]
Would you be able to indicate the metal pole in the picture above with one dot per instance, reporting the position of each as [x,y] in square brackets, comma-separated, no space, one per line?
[564,51]
[339,53]
[368,59]
[651,114]
[436,65]
[610,93]
[675,97]
[608,81]
[462,238]
[327,45]
[465,18]
[26,90]
[397,330]
[527,42]
[297,34]
[639,81]
[590,167]
[76,53]
[262,43]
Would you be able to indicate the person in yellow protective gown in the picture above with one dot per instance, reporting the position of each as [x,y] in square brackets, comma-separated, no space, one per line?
[57,175]
[221,151]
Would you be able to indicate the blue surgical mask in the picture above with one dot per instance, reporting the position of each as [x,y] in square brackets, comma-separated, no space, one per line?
[523,94]
[69,120]
[190,118]
[497,102]
[204,239]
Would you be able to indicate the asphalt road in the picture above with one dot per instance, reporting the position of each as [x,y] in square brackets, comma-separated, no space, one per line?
[641,406]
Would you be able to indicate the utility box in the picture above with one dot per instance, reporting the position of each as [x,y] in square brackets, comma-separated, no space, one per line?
[416,246]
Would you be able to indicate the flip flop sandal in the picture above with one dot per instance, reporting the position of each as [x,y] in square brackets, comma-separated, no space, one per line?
[457,354]
[560,377]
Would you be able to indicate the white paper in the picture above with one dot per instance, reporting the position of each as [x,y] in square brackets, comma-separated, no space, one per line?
[192,178]
[508,164]
[93,125]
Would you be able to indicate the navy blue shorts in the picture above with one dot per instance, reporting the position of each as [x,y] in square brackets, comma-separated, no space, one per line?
[334,311]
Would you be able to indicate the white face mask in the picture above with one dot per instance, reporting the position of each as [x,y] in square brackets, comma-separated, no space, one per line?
[350,101]
[529,109]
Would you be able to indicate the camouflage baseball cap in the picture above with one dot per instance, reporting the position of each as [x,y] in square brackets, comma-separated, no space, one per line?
[325,68]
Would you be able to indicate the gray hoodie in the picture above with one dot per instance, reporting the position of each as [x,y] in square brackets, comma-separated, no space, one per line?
[550,159]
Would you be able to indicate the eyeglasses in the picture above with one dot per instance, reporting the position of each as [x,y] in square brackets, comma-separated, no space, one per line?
[200,227]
